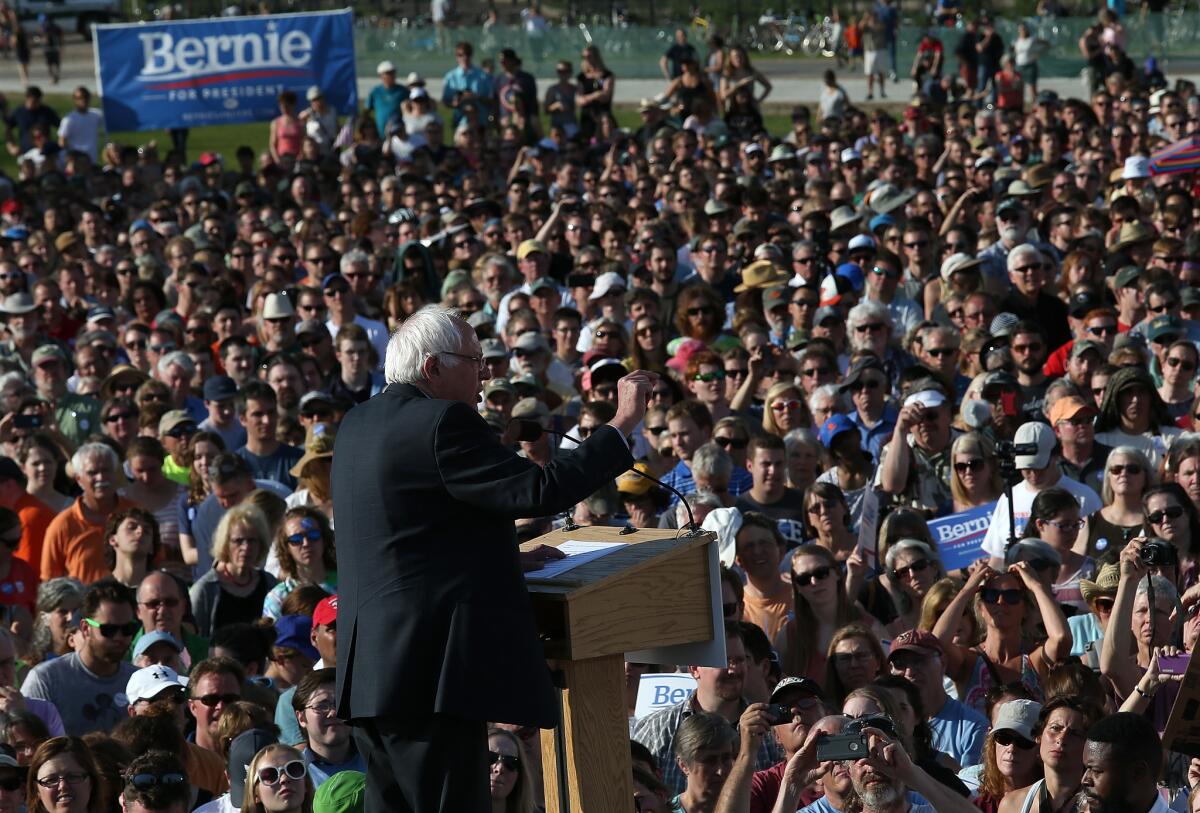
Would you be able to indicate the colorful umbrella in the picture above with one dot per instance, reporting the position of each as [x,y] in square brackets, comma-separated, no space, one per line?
[1182,156]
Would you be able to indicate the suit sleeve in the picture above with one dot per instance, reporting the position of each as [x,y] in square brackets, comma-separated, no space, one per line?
[476,469]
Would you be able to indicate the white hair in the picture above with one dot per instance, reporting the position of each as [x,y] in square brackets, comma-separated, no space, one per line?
[1163,588]
[1023,250]
[711,460]
[91,451]
[353,258]
[793,440]
[830,392]
[177,358]
[13,380]
[695,500]
[431,330]
[868,309]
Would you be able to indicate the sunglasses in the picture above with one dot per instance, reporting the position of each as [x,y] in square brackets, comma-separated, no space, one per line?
[113,630]
[145,781]
[708,378]
[1183,364]
[1174,512]
[815,371]
[312,535]
[919,566]
[729,609]
[506,760]
[119,416]
[1010,596]
[1007,737]
[784,406]
[818,575]
[974,464]
[868,384]
[703,310]
[212,700]
[1104,604]
[656,430]
[294,770]
[1126,468]
[732,443]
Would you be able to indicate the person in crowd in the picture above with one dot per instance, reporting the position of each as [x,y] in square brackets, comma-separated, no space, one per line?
[912,568]
[1170,515]
[1061,730]
[64,777]
[854,660]
[235,588]
[305,553]
[1010,758]
[1054,519]
[277,781]
[75,543]
[759,550]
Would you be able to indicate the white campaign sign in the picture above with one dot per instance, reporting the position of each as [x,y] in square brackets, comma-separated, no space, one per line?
[658,691]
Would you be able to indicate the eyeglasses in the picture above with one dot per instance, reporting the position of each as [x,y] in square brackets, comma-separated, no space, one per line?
[870,327]
[805,303]
[1126,468]
[703,310]
[1104,605]
[312,535]
[785,406]
[155,603]
[735,372]
[803,260]
[964,466]
[708,378]
[656,430]
[919,566]
[941,352]
[1065,524]
[1027,269]
[119,416]
[113,630]
[323,709]
[1172,512]
[815,371]
[54,780]
[294,770]
[818,575]
[508,761]
[477,359]
[889,273]
[732,443]
[1102,330]
[1007,737]
[145,781]
[1184,364]
[865,384]
[1162,308]
[213,700]
[1010,596]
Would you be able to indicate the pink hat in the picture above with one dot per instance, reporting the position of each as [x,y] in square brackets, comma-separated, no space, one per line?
[683,354]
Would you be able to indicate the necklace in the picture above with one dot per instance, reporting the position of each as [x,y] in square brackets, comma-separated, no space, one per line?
[233,580]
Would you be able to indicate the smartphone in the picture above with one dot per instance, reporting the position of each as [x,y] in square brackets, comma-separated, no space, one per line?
[27,422]
[1174,664]
[780,714]
[1008,403]
[840,747]
[580,280]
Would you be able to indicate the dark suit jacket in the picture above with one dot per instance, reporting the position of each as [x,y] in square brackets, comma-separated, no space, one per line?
[433,614]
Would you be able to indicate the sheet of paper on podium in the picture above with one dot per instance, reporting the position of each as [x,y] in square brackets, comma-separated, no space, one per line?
[577,553]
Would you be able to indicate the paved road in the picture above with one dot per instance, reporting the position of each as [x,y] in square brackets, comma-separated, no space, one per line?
[802,85]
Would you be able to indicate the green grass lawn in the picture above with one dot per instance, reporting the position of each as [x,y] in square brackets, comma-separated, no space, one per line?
[225,139]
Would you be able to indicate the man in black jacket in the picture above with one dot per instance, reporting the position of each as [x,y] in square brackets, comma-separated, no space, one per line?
[431,593]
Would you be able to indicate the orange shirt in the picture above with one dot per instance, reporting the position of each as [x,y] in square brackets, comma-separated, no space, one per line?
[75,546]
[205,769]
[770,613]
[35,519]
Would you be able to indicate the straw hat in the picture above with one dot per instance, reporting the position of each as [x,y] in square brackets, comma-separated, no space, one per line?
[319,446]
[1105,584]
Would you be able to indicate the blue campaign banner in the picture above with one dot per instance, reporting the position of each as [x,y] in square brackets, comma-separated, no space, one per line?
[959,537]
[192,73]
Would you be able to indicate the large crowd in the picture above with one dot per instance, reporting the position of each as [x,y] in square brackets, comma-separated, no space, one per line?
[860,326]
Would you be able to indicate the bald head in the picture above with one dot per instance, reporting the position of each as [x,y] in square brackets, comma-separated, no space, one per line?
[160,604]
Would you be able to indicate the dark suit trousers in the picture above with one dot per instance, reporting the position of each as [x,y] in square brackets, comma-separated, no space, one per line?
[433,765]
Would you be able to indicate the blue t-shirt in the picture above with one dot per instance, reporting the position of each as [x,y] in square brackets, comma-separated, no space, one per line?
[959,731]
[386,103]
[275,466]
[1084,629]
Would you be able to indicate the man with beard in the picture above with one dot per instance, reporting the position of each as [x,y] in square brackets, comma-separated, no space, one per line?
[1121,763]
[718,691]
[1028,348]
[23,321]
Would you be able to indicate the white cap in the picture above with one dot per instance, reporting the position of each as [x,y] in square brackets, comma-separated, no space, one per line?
[1040,435]
[926,398]
[861,241]
[148,683]
[606,283]
[1136,166]
[1019,716]
[385,66]
[850,154]
[414,78]
[418,93]
[277,306]
[313,93]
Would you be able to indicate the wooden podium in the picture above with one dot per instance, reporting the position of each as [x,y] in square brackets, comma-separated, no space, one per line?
[652,599]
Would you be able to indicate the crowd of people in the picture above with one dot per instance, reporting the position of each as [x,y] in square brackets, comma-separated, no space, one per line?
[859,327]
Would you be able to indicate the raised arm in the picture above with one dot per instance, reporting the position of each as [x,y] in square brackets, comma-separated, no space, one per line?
[1115,661]
[893,473]
[1058,633]
[735,794]
[947,624]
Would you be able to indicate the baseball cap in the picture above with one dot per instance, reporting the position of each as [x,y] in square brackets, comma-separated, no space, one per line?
[531,342]
[313,93]
[920,641]
[47,352]
[493,349]
[219,388]
[826,312]
[606,283]
[834,425]
[861,242]
[173,420]
[1019,715]
[926,398]
[293,631]
[801,683]
[775,297]
[634,484]
[385,66]
[1040,435]
[156,637]
[241,754]
[99,313]
[528,247]
[1083,301]
[1068,407]
[147,683]
[344,792]
[857,369]
[495,385]
[1125,277]
[1036,548]
[1082,346]
[326,611]
[1161,326]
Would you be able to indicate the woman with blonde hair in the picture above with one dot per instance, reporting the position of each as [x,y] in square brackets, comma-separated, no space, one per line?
[234,589]
[1127,475]
[510,780]
[936,600]
[821,607]
[785,409]
[974,476]
[853,660]
[277,781]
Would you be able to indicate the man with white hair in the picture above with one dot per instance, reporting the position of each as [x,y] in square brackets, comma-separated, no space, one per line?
[75,540]
[176,369]
[1027,267]
[431,592]
[869,329]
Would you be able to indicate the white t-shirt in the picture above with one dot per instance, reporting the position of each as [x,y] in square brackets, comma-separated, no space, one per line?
[1153,445]
[997,534]
[82,131]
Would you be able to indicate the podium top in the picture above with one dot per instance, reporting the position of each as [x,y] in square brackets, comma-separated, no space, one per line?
[646,547]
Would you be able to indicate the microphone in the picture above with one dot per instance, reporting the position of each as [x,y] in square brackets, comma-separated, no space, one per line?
[532,430]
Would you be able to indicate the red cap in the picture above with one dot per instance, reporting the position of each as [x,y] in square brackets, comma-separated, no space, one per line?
[916,641]
[326,611]
[207,158]
[10,206]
